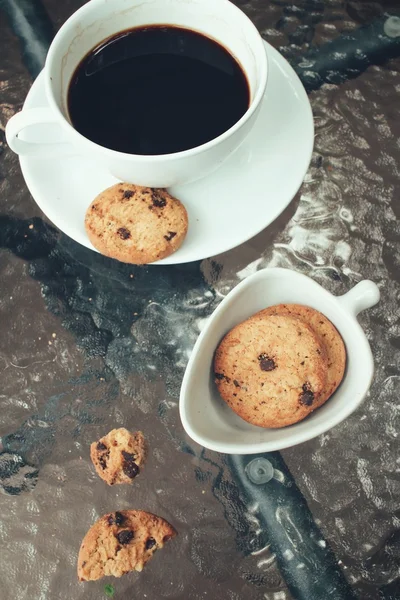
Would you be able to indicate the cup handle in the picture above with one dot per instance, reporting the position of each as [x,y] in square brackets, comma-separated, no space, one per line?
[362,296]
[35,116]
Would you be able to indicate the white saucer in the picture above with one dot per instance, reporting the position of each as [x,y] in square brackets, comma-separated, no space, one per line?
[235,203]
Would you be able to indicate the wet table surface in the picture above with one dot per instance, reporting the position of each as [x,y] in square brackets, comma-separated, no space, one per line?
[88,344]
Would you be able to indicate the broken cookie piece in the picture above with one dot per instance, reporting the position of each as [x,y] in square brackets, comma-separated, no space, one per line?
[121,542]
[118,456]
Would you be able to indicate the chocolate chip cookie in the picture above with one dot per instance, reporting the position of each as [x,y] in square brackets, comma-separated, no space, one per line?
[328,335]
[271,370]
[136,224]
[118,456]
[120,542]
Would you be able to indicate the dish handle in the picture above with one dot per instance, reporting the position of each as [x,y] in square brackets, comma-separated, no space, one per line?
[362,296]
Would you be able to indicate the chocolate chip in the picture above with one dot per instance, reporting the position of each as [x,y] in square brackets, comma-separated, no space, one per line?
[100,446]
[103,459]
[266,363]
[128,456]
[123,233]
[171,234]
[307,397]
[158,201]
[236,383]
[130,468]
[222,377]
[119,519]
[116,519]
[150,543]
[128,194]
[125,536]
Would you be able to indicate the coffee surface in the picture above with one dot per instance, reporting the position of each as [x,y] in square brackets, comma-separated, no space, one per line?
[157,90]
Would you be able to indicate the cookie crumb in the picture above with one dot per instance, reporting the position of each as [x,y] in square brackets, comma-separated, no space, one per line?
[109,550]
[119,456]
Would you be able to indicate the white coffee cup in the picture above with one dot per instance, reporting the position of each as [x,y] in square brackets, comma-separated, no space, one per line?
[99,19]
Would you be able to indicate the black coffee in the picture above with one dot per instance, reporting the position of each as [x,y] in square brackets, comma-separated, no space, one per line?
[157,90]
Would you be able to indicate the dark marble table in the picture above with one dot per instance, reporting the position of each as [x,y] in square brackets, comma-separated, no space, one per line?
[88,344]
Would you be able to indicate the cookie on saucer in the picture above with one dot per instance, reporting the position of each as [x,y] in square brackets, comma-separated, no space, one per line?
[271,370]
[136,224]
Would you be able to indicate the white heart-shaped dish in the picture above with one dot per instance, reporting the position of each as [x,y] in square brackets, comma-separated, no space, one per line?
[211,423]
